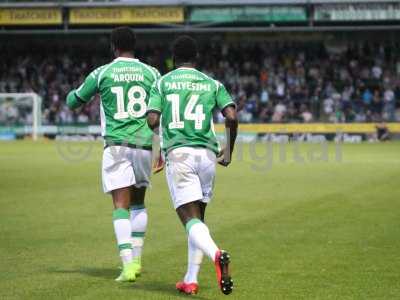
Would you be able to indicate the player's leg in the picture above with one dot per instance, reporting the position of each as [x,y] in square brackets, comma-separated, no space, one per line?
[195,258]
[183,167]
[206,171]
[141,164]
[199,236]
[122,227]
[118,177]
[139,225]
[192,214]
[189,285]
[203,206]
[183,183]
[198,232]
[195,255]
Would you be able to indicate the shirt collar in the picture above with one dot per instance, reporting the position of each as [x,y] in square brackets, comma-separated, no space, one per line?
[121,58]
[186,68]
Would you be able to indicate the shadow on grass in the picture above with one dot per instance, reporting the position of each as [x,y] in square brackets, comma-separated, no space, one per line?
[106,273]
[148,286]
[161,287]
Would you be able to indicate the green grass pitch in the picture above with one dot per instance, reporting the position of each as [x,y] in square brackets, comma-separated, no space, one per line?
[297,228]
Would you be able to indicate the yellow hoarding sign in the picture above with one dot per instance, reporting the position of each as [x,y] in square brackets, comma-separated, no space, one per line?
[312,128]
[126,15]
[30,16]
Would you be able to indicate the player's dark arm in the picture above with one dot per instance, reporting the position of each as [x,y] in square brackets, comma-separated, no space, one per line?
[153,120]
[231,128]
[73,101]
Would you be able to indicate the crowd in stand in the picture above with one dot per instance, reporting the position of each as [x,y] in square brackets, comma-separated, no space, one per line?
[271,82]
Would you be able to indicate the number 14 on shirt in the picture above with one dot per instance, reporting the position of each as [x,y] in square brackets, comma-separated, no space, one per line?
[193,112]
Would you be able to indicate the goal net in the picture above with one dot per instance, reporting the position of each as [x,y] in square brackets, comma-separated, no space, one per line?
[20,115]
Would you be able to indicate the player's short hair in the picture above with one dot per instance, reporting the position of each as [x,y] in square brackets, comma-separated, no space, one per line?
[184,49]
[123,38]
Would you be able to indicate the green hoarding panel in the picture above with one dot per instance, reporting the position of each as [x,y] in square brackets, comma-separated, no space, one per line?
[248,14]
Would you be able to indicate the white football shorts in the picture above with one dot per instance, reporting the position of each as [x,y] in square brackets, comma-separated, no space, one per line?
[190,174]
[123,166]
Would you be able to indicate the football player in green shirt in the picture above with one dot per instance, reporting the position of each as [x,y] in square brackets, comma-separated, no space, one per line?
[124,87]
[184,100]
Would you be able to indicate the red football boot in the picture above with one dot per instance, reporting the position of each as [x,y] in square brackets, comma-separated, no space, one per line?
[187,288]
[222,260]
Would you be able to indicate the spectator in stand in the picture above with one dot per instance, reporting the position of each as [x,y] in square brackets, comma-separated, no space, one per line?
[367,97]
[305,114]
[376,106]
[279,112]
[389,104]
[271,82]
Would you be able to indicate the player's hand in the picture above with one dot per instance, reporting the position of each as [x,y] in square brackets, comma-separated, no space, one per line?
[222,158]
[158,164]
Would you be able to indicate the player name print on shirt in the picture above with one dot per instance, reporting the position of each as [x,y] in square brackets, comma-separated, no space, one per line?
[186,85]
[127,77]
